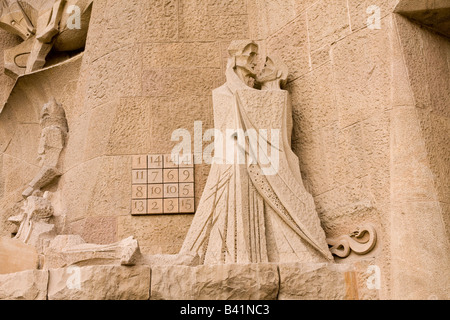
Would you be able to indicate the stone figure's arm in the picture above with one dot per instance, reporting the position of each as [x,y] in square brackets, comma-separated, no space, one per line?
[52,28]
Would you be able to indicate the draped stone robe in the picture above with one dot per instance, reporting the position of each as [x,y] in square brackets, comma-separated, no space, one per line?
[251,212]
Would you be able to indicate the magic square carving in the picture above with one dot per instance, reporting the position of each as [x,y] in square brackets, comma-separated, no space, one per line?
[162,184]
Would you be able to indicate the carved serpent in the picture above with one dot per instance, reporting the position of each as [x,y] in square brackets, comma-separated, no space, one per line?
[344,245]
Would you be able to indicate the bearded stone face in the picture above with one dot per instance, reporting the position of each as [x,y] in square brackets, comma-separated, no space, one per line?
[274,74]
[247,60]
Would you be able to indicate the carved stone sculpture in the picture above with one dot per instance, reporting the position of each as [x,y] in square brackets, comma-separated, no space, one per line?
[360,242]
[70,250]
[274,75]
[43,26]
[256,210]
[53,138]
[34,223]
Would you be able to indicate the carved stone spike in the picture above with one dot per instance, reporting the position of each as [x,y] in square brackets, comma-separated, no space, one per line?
[360,242]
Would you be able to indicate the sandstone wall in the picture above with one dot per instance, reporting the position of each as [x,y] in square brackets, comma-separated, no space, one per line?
[370,132]
[420,163]
[361,156]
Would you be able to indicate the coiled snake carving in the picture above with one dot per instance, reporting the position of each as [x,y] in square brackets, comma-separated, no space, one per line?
[360,242]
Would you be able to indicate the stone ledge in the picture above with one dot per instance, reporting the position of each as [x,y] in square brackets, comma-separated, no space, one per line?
[296,281]
[15,256]
[317,282]
[100,283]
[25,285]
[255,282]
[218,282]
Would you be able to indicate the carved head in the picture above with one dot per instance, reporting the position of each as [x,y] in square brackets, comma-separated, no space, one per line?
[38,206]
[243,57]
[275,71]
[53,114]
[14,19]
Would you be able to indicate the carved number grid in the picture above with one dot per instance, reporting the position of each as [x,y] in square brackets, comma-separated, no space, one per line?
[161,186]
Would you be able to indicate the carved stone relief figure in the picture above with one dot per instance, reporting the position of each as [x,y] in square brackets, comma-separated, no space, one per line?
[34,222]
[67,250]
[254,211]
[43,26]
[274,75]
[53,139]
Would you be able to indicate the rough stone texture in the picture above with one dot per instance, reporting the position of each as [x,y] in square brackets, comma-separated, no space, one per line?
[319,281]
[72,250]
[342,120]
[433,14]
[15,256]
[99,283]
[26,285]
[420,130]
[156,234]
[371,120]
[219,282]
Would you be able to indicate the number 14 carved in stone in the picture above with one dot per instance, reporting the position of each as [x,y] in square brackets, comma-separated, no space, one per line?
[162,184]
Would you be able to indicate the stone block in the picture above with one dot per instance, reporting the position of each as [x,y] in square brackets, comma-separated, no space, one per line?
[412,48]
[73,154]
[157,234]
[316,282]
[15,256]
[291,45]
[77,188]
[360,13]
[180,82]
[362,78]
[210,27]
[99,129]
[100,230]
[215,282]
[111,188]
[26,285]
[313,100]
[130,131]
[193,7]
[181,55]
[278,13]
[26,138]
[99,283]
[114,76]
[328,21]
[231,7]
[17,173]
